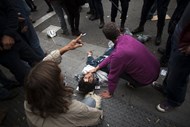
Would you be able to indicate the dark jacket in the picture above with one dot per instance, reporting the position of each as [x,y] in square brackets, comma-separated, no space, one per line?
[8,19]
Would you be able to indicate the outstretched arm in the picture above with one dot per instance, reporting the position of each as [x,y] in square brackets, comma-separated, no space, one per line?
[56,54]
[75,43]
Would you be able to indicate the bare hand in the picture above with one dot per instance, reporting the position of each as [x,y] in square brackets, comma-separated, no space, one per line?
[7,42]
[105,94]
[94,70]
[185,48]
[75,43]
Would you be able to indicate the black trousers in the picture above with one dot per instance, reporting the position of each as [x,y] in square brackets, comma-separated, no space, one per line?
[162,6]
[114,9]
[13,59]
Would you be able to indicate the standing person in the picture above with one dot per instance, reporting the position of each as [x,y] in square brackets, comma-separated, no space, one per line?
[100,12]
[126,61]
[73,8]
[27,30]
[50,9]
[175,83]
[161,11]
[114,9]
[31,4]
[49,101]
[59,10]
[13,49]
[181,5]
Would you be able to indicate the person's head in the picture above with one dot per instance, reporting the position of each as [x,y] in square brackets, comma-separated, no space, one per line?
[46,92]
[111,31]
[88,82]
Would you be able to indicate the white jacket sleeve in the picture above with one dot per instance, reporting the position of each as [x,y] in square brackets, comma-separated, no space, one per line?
[54,56]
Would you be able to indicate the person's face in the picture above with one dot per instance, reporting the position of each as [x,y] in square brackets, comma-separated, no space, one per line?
[88,77]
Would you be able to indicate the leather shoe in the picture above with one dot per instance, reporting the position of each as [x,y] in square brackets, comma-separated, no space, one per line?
[93,17]
[101,25]
[158,40]
[138,30]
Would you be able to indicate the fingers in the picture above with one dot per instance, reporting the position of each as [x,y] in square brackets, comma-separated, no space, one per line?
[77,39]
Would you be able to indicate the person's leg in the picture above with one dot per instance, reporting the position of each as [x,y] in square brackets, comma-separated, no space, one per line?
[89,101]
[58,8]
[76,22]
[32,38]
[114,7]
[18,68]
[72,24]
[152,11]
[25,52]
[50,9]
[145,10]
[162,6]
[177,78]
[132,82]
[124,6]
[94,16]
[100,12]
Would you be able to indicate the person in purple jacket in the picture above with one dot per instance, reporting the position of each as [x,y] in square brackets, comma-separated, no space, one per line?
[130,60]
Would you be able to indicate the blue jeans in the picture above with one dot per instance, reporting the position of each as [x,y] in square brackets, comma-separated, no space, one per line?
[89,101]
[175,83]
[30,35]
[32,39]
[94,62]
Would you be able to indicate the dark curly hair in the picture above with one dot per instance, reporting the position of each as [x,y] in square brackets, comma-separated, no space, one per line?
[111,31]
[86,87]
[46,92]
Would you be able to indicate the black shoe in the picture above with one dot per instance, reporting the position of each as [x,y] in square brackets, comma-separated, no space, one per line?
[93,17]
[158,87]
[164,61]
[77,33]
[65,33]
[101,25]
[49,10]
[161,50]
[89,12]
[165,106]
[158,40]
[122,28]
[138,30]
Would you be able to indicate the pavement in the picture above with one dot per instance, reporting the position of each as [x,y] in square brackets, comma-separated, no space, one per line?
[129,107]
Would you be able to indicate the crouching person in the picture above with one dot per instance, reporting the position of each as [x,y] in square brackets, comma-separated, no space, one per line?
[49,102]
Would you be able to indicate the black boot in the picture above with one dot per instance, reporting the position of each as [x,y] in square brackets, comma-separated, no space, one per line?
[101,23]
[122,26]
[158,38]
[138,30]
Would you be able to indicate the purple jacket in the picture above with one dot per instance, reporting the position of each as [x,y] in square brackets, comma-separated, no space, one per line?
[133,58]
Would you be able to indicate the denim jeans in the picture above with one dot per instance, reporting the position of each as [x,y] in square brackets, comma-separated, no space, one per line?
[89,101]
[94,62]
[30,35]
[175,83]
[13,59]
[58,8]
[32,39]
[124,7]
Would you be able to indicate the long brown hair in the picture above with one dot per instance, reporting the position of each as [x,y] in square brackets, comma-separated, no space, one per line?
[45,90]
